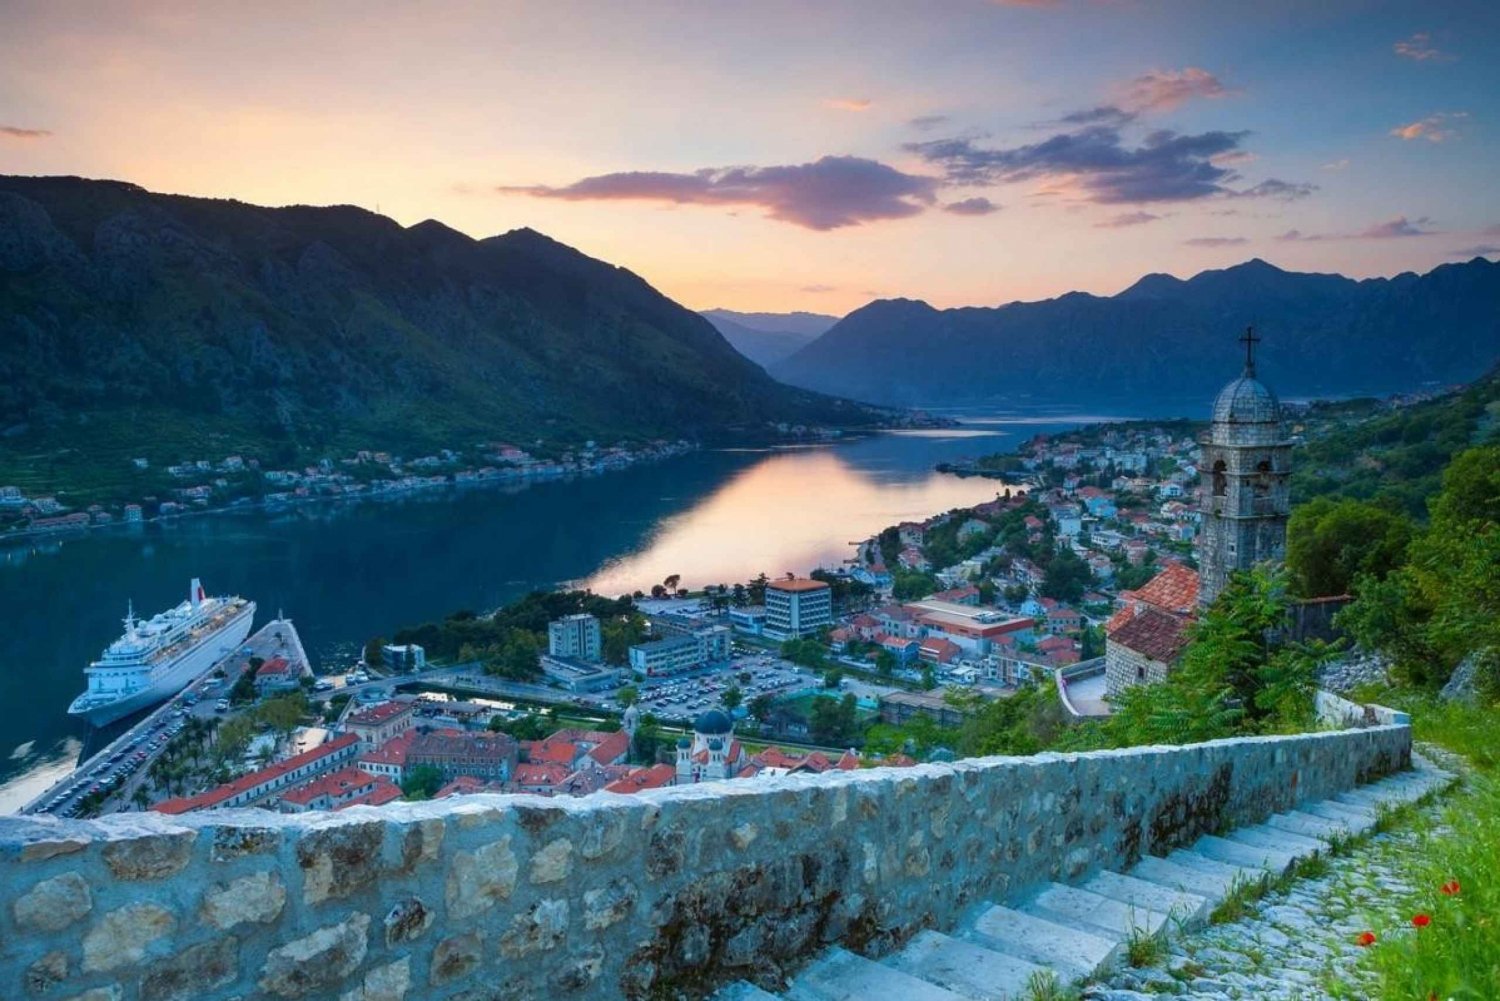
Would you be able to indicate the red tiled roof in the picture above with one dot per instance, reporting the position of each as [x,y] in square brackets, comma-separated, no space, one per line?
[548,773]
[392,752]
[848,761]
[799,584]
[560,752]
[1175,589]
[462,786]
[385,791]
[646,778]
[213,797]
[1155,634]
[612,748]
[333,784]
[274,666]
[378,714]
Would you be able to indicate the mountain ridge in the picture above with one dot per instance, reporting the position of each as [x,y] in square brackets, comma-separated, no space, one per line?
[1322,334]
[332,326]
[767,338]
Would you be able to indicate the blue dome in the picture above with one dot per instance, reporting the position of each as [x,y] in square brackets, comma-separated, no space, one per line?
[713,722]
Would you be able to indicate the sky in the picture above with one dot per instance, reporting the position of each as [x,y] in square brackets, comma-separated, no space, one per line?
[806,155]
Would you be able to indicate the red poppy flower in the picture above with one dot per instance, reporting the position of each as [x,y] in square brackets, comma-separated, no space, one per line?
[1365,939]
[1421,920]
[1449,888]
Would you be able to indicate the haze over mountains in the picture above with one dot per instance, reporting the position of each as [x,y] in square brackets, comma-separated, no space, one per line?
[312,325]
[767,338]
[1167,339]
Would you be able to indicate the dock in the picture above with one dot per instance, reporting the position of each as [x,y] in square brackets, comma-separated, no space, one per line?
[121,765]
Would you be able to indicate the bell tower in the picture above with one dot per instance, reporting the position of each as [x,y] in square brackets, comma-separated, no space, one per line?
[1245,498]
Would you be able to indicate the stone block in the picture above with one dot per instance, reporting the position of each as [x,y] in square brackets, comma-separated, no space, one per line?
[553,862]
[606,905]
[53,904]
[336,861]
[324,959]
[122,936]
[258,897]
[383,983]
[455,957]
[479,879]
[194,971]
[407,921]
[155,856]
[47,972]
[539,928]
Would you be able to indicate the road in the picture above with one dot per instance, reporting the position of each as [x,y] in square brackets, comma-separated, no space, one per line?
[123,764]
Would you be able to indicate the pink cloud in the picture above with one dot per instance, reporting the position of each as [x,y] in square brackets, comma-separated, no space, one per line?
[1420,48]
[848,103]
[1163,90]
[1127,219]
[1433,128]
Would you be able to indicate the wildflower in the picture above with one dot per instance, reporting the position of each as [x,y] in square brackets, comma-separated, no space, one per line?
[1449,888]
[1365,939]
[1421,920]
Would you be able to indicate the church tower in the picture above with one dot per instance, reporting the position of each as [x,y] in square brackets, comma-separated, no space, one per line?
[1245,498]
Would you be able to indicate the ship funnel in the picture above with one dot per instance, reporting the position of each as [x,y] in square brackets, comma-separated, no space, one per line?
[195,592]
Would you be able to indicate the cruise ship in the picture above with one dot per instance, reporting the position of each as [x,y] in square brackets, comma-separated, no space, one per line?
[160,656]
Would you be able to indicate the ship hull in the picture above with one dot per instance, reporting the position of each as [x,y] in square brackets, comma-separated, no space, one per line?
[175,677]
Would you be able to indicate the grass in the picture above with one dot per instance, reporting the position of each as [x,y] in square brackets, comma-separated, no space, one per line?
[1455,952]
[1145,948]
[1044,985]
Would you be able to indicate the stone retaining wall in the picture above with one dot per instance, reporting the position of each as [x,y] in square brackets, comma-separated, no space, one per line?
[497,897]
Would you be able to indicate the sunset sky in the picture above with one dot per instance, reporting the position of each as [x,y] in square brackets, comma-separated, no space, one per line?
[777,156]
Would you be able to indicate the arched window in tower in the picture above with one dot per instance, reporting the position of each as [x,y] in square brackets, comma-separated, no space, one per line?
[1221,479]
[1262,482]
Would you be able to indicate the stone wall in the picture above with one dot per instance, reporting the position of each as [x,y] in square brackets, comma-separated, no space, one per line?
[490,897]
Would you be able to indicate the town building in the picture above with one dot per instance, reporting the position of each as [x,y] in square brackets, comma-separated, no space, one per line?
[404,657]
[249,789]
[1246,464]
[378,724]
[577,637]
[681,652]
[1144,638]
[713,753]
[488,756]
[797,607]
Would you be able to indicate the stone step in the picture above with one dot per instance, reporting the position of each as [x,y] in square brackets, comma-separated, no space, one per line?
[1263,836]
[1371,797]
[1344,800]
[1212,886]
[1229,870]
[840,975]
[1237,853]
[1358,823]
[1091,912]
[1182,907]
[1308,825]
[1071,953]
[744,991]
[966,967]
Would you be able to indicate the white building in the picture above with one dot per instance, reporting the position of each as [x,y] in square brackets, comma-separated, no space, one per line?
[681,652]
[577,637]
[404,656]
[797,607]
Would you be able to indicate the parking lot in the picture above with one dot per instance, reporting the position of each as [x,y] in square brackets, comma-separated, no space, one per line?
[685,696]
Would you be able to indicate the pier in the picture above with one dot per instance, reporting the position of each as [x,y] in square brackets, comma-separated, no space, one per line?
[122,765]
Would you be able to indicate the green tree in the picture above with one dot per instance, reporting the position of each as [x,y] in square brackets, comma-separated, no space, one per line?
[760,707]
[628,696]
[885,663]
[374,652]
[833,677]
[1067,577]
[986,592]
[732,698]
[929,679]
[421,782]
[1332,542]
[912,585]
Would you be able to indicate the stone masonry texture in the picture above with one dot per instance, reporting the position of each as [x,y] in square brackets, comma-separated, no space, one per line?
[603,897]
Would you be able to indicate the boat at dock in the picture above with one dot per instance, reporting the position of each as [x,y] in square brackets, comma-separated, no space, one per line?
[158,657]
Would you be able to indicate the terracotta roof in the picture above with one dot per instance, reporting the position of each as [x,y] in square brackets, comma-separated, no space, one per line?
[379,714]
[465,785]
[1157,635]
[215,796]
[1175,589]
[646,778]
[274,666]
[392,752]
[546,773]
[799,584]
[334,784]
[612,748]
[559,752]
[848,761]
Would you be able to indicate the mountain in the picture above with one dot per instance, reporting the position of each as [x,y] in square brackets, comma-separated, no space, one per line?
[1166,338]
[154,321]
[767,338]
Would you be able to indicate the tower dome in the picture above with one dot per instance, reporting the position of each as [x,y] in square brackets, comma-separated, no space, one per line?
[1246,400]
[712,723]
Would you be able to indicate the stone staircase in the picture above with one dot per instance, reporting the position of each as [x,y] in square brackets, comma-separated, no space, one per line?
[1074,933]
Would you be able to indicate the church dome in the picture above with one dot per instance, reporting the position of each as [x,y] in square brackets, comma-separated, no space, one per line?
[1246,401]
[713,722]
